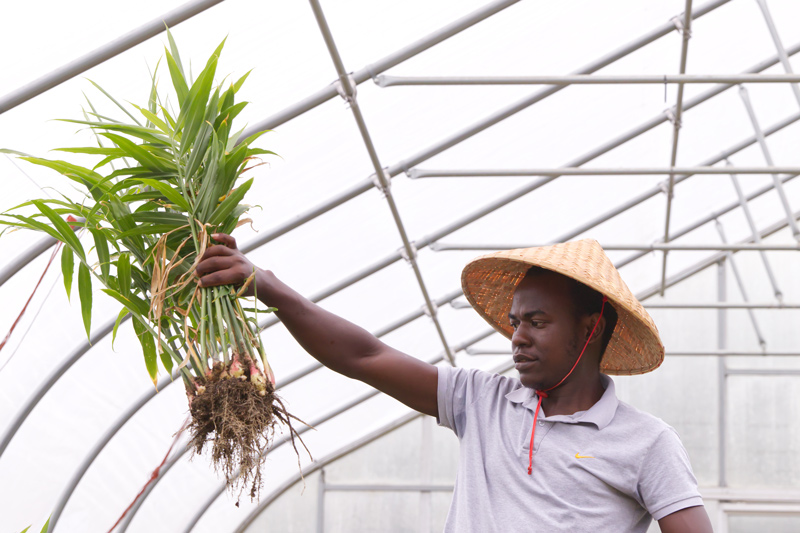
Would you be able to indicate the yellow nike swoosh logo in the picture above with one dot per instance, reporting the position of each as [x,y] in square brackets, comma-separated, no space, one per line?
[579,456]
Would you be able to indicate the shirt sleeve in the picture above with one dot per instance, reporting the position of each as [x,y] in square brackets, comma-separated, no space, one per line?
[459,388]
[666,481]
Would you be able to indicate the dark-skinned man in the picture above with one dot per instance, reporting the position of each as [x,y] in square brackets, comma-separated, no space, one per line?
[551,451]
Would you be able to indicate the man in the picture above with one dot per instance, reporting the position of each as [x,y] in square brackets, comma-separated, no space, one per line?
[552,451]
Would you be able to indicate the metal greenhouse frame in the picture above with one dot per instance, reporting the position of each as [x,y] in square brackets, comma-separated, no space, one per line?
[722,255]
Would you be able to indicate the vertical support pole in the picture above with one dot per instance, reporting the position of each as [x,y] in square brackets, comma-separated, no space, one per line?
[742,289]
[685,27]
[762,142]
[756,236]
[722,371]
[426,475]
[321,502]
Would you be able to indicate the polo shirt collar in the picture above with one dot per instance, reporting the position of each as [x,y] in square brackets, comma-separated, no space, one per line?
[600,414]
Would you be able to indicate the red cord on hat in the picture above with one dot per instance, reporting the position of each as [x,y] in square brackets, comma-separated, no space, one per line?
[543,393]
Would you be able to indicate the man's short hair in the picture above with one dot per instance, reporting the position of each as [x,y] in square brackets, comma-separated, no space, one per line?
[585,301]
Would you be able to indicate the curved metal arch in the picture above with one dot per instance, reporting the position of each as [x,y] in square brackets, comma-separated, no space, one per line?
[54,376]
[104,53]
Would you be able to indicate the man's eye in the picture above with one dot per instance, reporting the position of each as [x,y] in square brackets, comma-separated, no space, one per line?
[536,323]
[514,326]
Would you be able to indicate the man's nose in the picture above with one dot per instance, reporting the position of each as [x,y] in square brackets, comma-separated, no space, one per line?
[520,337]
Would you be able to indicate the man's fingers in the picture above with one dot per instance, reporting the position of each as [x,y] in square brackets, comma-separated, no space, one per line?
[220,277]
[214,263]
[218,250]
[225,239]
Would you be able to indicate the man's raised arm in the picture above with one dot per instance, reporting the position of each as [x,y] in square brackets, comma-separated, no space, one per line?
[333,341]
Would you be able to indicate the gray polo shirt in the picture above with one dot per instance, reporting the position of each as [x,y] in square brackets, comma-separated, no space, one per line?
[608,469]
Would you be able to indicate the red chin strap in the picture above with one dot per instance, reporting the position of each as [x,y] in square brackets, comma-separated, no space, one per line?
[543,393]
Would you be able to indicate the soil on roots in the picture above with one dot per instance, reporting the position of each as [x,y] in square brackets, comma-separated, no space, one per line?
[238,422]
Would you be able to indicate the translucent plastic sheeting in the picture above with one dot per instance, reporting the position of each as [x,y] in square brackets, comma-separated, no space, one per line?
[323,155]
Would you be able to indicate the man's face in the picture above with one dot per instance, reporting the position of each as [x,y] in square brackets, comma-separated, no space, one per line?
[546,340]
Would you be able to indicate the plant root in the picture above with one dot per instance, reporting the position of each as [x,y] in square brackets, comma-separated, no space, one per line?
[237,417]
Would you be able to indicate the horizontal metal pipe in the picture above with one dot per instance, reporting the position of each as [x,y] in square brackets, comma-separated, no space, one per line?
[459,304]
[387,488]
[584,171]
[478,351]
[586,79]
[439,247]
[723,305]
[763,371]
[105,52]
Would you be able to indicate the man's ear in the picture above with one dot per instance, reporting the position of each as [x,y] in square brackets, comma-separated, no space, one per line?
[598,331]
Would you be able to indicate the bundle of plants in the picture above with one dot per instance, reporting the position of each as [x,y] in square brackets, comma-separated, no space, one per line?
[166,180]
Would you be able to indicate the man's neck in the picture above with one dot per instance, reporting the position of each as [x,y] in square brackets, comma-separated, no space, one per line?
[579,393]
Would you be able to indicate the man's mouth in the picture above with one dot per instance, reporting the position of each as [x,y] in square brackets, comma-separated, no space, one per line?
[522,361]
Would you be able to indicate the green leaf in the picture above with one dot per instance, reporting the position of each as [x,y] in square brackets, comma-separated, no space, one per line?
[132,302]
[148,348]
[152,101]
[93,150]
[142,156]
[25,530]
[46,526]
[178,78]
[67,268]
[230,113]
[240,81]
[101,246]
[34,224]
[146,229]
[122,313]
[173,195]
[152,117]
[174,48]
[85,292]
[227,206]
[68,236]
[193,108]
[151,135]
[115,102]
[74,172]
[166,360]
[124,274]
[161,217]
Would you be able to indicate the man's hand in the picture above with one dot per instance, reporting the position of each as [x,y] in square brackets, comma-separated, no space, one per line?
[224,264]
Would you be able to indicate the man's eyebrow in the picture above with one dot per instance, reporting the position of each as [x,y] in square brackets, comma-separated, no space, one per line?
[528,314]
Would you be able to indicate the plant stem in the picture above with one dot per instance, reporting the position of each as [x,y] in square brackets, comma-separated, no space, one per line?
[242,341]
[212,337]
[221,325]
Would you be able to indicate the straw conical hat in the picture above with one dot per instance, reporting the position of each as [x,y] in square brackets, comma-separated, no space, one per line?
[489,283]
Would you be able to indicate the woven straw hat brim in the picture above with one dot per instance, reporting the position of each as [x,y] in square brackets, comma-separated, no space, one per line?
[489,283]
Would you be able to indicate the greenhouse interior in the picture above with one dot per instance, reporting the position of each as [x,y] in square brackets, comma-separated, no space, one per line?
[401,141]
